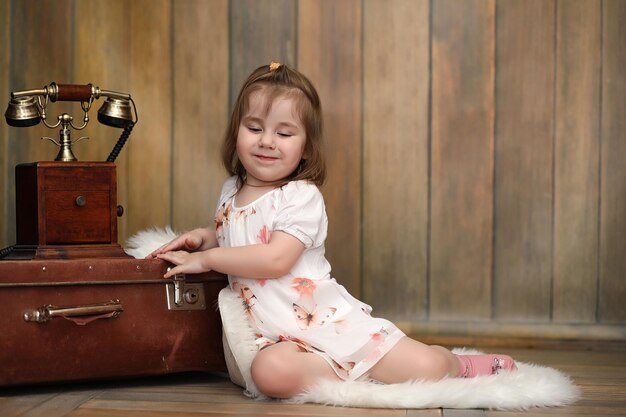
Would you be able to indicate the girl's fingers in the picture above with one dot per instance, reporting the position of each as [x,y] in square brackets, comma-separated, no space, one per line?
[170,246]
[181,242]
[157,251]
[176,258]
[192,243]
[172,271]
[168,256]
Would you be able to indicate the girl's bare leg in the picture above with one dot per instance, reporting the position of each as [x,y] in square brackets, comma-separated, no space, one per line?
[410,360]
[283,370]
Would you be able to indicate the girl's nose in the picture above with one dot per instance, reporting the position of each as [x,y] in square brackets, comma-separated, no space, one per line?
[267,140]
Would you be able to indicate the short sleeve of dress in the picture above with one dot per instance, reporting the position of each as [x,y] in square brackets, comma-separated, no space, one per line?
[302,214]
[229,189]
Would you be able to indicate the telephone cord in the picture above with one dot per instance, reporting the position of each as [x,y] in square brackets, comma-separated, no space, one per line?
[121,142]
[4,252]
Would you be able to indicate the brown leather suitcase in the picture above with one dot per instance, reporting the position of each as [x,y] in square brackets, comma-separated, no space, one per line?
[89,318]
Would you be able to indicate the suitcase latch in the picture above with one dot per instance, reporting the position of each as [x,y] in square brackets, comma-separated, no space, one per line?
[182,295]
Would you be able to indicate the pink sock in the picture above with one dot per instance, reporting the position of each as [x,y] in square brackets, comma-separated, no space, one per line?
[474,365]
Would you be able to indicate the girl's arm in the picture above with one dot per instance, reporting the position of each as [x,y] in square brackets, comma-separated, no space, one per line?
[263,261]
[196,240]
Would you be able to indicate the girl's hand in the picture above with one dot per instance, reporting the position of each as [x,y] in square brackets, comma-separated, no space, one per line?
[186,263]
[190,242]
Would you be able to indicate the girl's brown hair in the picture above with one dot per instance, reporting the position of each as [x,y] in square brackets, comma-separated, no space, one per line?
[277,81]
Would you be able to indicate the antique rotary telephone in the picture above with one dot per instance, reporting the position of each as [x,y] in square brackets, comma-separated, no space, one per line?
[66,208]
[28,108]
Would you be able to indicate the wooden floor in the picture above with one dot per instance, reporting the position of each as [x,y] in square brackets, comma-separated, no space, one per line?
[600,374]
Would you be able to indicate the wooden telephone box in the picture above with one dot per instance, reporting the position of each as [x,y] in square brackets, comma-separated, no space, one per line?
[66,210]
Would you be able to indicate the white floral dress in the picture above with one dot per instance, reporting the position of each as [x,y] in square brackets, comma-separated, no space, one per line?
[306,307]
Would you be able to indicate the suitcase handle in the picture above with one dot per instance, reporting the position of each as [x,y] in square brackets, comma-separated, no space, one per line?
[78,314]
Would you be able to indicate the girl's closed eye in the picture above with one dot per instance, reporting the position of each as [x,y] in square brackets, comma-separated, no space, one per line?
[284,134]
[254,129]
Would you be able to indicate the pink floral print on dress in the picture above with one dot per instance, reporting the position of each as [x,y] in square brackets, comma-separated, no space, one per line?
[305,288]
[221,219]
[264,235]
[245,293]
[307,319]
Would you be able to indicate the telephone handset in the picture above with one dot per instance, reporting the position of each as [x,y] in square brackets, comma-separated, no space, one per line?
[28,107]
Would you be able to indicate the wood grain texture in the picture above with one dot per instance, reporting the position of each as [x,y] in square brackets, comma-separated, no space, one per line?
[577,159]
[509,333]
[395,165]
[61,404]
[6,224]
[462,159]
[600,375]
[524,159]
[37,58]
[200,106]
[554,156]
[262,31]
[102,57]
[613,174]
[436,412]
[41,54]
[150,163]
[463,413]
[329,53]
[17,405]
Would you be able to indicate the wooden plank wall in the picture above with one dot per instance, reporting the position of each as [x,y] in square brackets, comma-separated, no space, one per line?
[4,129]
[396,157]
[475,148]
[524,159]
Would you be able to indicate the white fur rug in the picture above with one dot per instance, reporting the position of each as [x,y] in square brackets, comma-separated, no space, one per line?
[144,242]
[529,386]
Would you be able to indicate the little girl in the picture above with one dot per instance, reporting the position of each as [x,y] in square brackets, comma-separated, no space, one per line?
[269,238]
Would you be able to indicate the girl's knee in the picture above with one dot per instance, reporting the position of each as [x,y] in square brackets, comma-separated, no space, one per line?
[274,375]
[434,363]
[438,364]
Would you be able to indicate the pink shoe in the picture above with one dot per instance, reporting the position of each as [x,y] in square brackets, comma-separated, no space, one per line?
[475,365]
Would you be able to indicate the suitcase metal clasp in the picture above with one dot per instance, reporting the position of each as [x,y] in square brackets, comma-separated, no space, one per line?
[182,295]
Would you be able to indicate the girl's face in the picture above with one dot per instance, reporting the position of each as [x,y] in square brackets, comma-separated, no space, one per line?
[270,146]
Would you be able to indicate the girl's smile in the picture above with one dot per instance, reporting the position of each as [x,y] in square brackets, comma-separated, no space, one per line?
[266,158]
